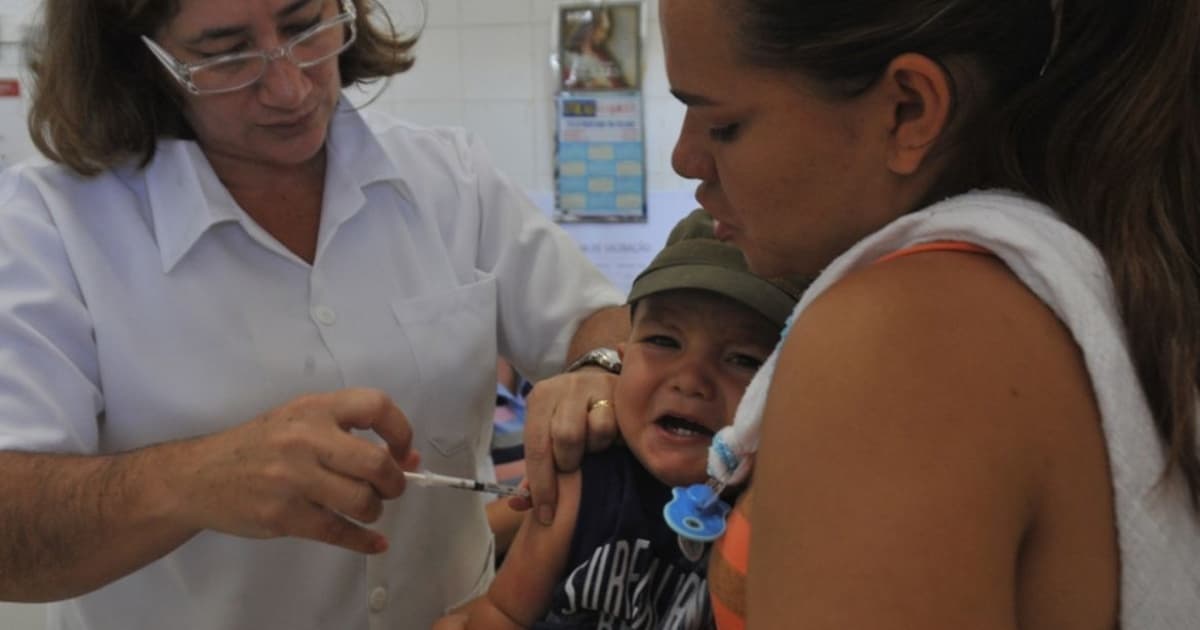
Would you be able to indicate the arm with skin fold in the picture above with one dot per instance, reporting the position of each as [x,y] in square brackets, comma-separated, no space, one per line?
[505,522]
[524,586]
[70,524]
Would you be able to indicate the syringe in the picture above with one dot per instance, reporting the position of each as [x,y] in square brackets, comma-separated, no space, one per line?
[428,479]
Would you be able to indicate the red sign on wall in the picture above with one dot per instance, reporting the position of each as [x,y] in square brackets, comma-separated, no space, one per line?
[10,88]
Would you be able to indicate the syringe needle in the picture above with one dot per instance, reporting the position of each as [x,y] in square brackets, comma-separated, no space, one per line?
[445,481]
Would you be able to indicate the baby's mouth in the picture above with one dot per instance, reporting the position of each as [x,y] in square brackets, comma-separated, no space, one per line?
[683,427]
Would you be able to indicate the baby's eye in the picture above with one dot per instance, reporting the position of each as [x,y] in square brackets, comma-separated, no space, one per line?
[663,341]
[746,361]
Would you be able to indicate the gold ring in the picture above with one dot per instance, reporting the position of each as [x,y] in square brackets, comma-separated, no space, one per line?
[603,402]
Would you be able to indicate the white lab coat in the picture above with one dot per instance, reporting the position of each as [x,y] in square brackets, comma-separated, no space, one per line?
[144,305]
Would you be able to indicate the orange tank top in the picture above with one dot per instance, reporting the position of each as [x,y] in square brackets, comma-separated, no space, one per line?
[731,553]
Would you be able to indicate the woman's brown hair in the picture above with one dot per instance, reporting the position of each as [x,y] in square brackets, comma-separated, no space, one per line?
[1102,126]
[100,98]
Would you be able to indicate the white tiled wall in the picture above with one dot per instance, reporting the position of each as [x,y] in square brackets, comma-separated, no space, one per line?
[14,141]
[483,64]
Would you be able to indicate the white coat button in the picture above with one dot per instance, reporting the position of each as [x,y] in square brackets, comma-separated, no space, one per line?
[324,315]
[378,599]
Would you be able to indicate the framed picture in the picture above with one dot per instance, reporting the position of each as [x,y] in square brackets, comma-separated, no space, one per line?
[600,46]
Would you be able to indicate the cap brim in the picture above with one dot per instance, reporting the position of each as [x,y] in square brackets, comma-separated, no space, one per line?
[767,299]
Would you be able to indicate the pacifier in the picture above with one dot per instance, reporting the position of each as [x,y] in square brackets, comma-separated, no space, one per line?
[697,512]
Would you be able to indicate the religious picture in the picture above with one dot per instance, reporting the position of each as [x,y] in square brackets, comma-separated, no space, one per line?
[599,46]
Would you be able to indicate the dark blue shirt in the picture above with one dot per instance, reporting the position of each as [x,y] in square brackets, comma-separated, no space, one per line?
[625,568]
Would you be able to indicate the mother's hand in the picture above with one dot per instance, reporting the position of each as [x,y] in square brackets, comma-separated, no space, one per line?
[298,471]
[564,415]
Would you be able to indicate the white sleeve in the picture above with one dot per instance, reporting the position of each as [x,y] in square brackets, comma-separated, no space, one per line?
[50,397]
[546,285]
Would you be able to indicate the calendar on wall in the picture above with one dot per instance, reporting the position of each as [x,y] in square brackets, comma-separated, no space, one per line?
[600,163]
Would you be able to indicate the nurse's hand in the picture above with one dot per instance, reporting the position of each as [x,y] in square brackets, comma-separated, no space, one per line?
[298,471]
[565,415]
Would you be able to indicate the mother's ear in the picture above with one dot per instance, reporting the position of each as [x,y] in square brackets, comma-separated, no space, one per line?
[920,94]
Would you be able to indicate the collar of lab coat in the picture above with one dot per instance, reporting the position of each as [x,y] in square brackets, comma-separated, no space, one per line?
[187,198]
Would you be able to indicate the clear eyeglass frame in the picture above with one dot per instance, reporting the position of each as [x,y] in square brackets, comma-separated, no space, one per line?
[184,72]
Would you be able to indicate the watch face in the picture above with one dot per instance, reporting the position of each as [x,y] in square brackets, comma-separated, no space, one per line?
[608,356]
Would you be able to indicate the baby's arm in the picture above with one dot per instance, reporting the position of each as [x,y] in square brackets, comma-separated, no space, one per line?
[504,523]
[524,586]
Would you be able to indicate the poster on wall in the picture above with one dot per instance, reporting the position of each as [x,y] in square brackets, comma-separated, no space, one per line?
[599,166]
[600,163]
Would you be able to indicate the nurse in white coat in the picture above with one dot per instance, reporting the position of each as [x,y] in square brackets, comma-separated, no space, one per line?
[233,310]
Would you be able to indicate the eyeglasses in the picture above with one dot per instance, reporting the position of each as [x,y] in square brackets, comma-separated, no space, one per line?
[235,71]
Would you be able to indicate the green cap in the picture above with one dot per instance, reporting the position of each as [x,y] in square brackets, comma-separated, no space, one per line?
[693,258]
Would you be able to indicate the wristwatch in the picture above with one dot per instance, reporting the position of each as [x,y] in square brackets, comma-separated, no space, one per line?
[606,358]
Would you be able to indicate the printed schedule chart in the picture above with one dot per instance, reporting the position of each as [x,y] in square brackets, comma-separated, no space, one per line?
[600,162]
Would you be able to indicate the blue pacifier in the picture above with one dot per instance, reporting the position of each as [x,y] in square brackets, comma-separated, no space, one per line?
[696,512]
